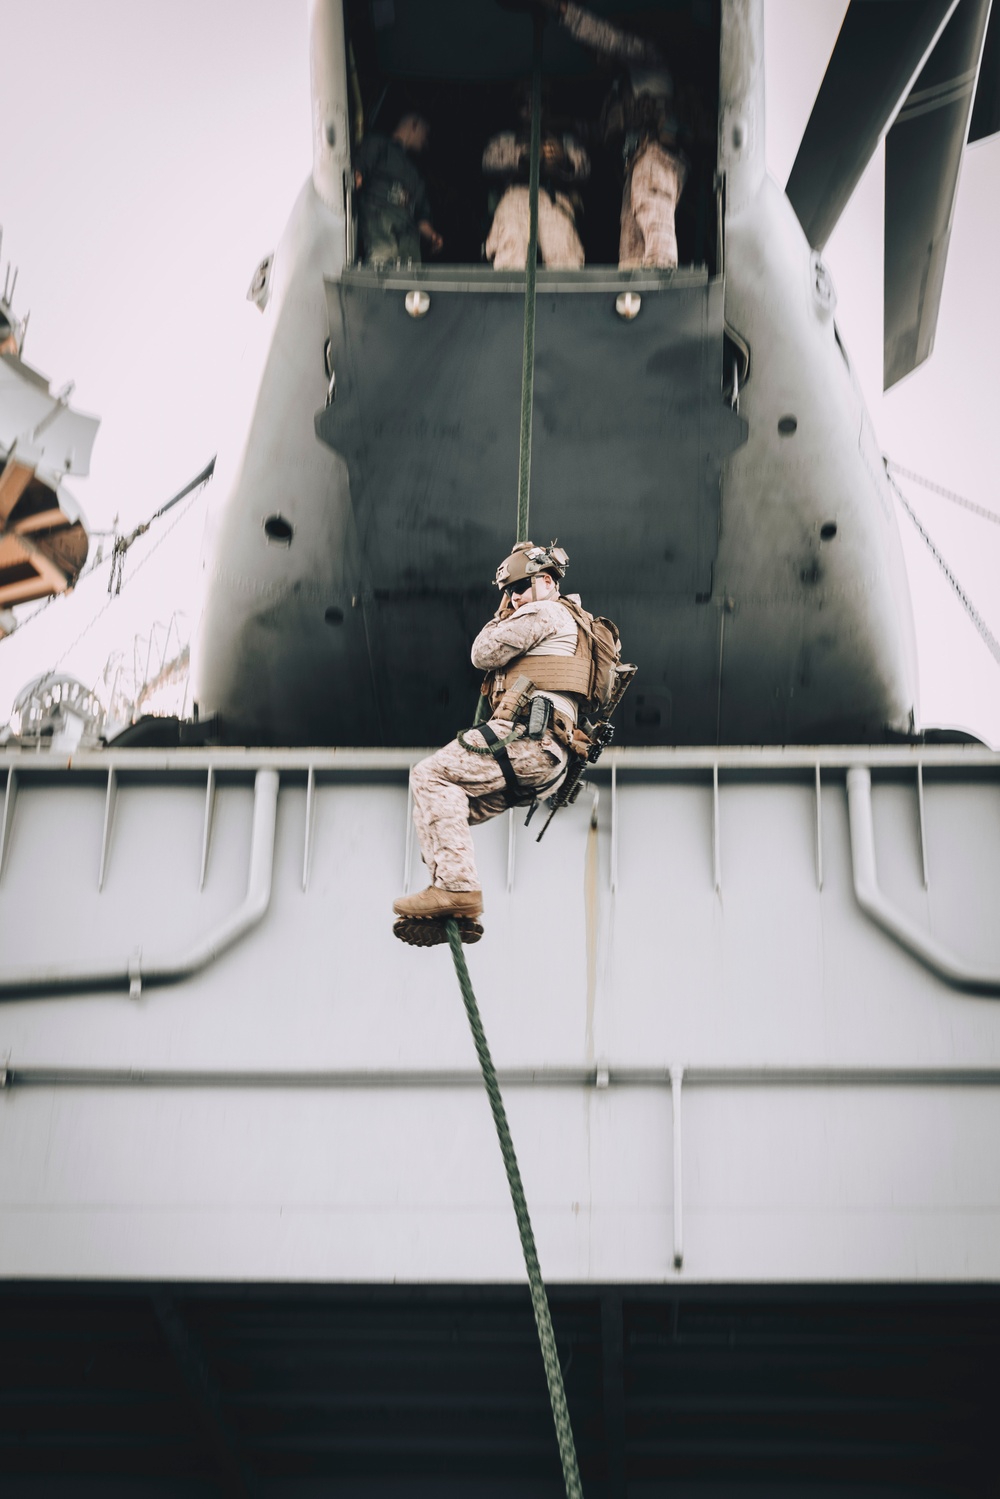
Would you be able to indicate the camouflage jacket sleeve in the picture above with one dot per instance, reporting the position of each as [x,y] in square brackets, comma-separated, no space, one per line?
[501,640]
[611,41]
[507,154]
[503,153]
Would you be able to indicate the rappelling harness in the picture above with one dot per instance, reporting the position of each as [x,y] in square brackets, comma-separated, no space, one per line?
[593,677]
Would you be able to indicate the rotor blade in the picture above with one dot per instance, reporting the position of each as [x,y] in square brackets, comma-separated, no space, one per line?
[923,156]
[986,110]
[882,46]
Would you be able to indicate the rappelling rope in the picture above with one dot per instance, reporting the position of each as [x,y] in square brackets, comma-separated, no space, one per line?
[528,351]
[992,644]
[539,1300]
[530,272]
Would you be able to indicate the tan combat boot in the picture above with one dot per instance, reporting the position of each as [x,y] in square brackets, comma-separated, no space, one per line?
[422,919]
[440,904]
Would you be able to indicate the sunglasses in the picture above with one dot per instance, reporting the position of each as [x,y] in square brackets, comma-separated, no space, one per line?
[522,585]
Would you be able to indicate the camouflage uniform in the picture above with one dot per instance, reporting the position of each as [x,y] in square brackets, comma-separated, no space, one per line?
[653,184]
[455,788]
[506,155]
[606,38]
[655,171]
[558,242]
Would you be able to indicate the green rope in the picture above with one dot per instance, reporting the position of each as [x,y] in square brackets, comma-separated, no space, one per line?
[539,1300]
[528,358]
[530,272]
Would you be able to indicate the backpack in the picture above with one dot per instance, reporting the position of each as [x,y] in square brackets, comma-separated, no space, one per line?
[604,644]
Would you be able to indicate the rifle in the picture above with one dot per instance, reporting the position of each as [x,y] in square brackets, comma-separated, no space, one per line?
[600,736]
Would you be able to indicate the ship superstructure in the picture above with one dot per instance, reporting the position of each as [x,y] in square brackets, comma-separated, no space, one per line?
[750,1052]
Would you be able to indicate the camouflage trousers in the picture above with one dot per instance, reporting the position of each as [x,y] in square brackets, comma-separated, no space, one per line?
[558,242]
[387,236]
[653,185]
[455,789]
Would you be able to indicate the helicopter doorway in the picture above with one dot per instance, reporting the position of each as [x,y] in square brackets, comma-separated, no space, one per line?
[463,67]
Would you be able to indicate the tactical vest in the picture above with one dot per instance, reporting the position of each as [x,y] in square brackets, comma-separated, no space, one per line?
[587,676]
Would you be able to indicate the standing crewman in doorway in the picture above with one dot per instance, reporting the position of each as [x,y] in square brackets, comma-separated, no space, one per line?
[394,211]
[563,167]
[639,116]
[537,649]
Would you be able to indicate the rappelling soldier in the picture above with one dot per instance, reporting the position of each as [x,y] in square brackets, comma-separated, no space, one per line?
[394,212]
[537,652]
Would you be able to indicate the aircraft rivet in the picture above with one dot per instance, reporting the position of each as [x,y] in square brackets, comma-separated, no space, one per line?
[417,303]
[627,305]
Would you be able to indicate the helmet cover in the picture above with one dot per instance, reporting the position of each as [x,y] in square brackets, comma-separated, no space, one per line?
[527,561]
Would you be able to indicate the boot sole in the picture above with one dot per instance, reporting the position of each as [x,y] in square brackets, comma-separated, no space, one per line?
[430,931]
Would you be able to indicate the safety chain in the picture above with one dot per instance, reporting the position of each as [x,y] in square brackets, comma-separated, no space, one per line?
[993,645]
[948,494]
[539,1300]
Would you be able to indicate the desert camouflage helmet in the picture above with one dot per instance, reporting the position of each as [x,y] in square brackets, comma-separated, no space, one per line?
[527,560]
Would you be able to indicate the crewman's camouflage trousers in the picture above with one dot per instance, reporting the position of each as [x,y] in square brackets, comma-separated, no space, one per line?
[652,186]
[387,236]
[455,788]
[558,241]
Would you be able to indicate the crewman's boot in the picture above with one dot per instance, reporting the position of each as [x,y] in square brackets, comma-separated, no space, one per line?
[422,917]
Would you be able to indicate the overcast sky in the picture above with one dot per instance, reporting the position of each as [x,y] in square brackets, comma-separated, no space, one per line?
[149,156]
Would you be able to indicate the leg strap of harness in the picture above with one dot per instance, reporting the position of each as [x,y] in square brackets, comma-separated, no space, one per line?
[515,791]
